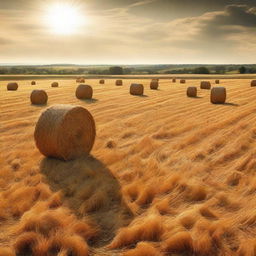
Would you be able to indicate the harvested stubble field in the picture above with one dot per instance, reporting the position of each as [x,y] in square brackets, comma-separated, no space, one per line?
[168,174]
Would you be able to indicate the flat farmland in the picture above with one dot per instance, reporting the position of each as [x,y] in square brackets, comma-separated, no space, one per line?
[168,174]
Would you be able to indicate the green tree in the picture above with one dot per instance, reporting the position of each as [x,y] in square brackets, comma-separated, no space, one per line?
[242,70]
[116,70]
[220,69]
[201,70]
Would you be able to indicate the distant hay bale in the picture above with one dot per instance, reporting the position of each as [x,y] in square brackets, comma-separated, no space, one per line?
[65,132]
[218,95]
[205,85]
[119,82]
[154,84]
[253,83]
[182,81]
[38,97]
[12,86]
[84,91]
[33,83]
[217,81]
[102,81]
[174,80]
[192,91]
[55,84]
[82,80]
[136,89]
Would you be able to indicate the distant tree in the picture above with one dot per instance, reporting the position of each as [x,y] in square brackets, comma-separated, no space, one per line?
[201,70]
[116,70]
[220,69]
[242,70]
[127,71]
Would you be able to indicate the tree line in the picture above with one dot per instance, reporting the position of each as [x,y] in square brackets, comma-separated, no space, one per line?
[118,70]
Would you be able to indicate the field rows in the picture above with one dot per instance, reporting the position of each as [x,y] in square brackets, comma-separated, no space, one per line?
[164,168]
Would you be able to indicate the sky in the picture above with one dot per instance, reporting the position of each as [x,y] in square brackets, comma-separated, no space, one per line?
[128,31]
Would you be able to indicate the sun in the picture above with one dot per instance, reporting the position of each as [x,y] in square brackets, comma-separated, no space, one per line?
[64,18]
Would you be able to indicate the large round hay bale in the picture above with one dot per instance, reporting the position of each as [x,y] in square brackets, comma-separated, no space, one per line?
[217,81]
[55,84]
[33,83]
[102,81]
[154,85]
[182,81]
[38,97]
[205,85]
[84,91]
[218,95]
[82,80]
[136,89]
[174,80]
[253,83]
[192,91]
[119,82]
[65,132]
[12,86]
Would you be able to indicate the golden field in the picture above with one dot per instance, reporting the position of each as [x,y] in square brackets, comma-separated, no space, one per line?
[168,175]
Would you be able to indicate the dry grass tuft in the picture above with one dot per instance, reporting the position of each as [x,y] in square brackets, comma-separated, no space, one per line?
[73,244]
[7,251]
[234,178]
[188,221]
[207,212]
[181,242]
[150,230]
[196,193]
[94,203]
[143,249]
[25,243]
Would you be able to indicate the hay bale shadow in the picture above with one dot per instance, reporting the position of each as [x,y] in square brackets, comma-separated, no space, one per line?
[230,104]
[89,101]
[38,105]
[141,96]
[90,190]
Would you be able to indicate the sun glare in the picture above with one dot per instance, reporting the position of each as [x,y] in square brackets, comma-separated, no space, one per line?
[64,19]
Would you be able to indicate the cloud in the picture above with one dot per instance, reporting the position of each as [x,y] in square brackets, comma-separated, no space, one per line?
[117,34]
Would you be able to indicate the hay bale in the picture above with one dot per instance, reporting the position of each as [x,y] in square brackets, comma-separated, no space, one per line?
[136,89]
[84,91]
[102,81]
[12,86]
[217,81]
[182,81]
[218,95]
[38,97]
[192,91]
[205,85]
[174,80]
[33,83]
[154,85]
[55,84]
[119,82]
[65,132]
[82,80]
[253,83]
